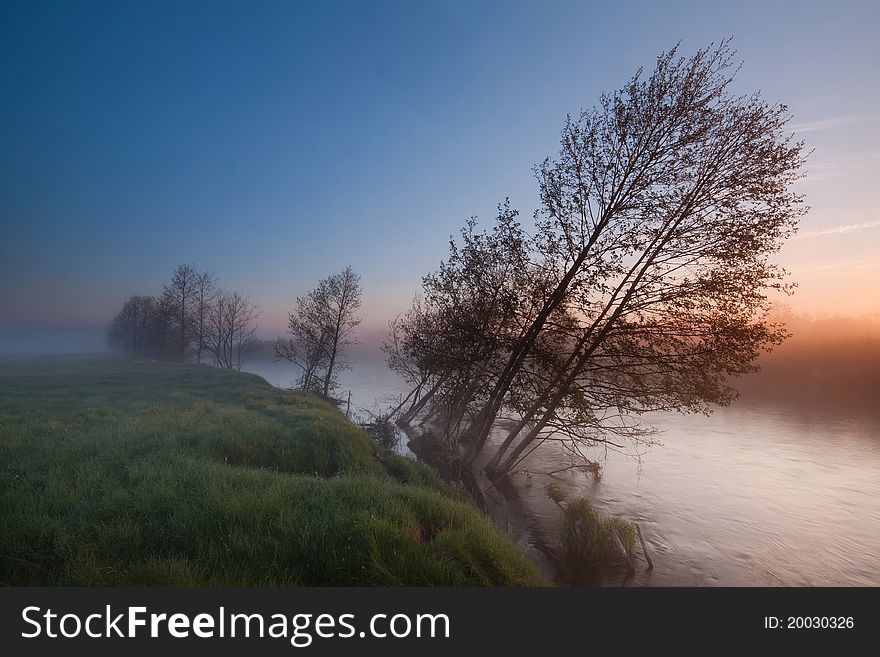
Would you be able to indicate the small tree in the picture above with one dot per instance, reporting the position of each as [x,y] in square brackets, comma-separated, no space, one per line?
[129,329]
[307,348]
[205,294]
[321,328]
[230,331]
[179,297]
[141,328]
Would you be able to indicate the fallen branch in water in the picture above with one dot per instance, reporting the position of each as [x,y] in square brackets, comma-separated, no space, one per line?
[644,547]
[623,553]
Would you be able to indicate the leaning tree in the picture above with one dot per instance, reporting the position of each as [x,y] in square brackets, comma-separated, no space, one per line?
[651,261]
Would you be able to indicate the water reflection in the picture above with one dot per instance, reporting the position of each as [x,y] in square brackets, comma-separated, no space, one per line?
[749,496]
[753,495]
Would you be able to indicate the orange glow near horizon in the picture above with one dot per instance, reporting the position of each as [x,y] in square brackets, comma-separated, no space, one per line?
[835,257]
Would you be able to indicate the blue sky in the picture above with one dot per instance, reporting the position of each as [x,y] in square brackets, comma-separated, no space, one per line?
[275,142]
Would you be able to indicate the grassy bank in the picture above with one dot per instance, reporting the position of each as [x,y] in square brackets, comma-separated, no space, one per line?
[119,472]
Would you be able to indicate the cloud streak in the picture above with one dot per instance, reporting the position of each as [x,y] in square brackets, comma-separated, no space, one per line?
[838,230]
[829,124]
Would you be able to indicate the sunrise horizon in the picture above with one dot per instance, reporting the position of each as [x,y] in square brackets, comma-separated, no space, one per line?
[148,167]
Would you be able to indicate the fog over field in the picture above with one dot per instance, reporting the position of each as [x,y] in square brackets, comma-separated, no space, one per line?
[827,361]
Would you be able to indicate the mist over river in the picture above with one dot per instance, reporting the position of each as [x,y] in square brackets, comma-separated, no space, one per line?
[753,495]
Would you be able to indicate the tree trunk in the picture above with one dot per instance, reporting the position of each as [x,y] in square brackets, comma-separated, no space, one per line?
[486,417]
[638,268]
[407,417]
[337,329]
[412,392]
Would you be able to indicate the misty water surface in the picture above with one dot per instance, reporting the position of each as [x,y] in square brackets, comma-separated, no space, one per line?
[753,495]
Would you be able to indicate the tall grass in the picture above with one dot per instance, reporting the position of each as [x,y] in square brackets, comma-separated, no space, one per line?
[117,472]
[586,536]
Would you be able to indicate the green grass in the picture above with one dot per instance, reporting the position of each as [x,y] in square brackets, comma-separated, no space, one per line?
[120,472]
[586,535]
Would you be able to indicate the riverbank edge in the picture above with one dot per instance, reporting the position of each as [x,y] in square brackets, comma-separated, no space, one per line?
[194,428]
[505,509]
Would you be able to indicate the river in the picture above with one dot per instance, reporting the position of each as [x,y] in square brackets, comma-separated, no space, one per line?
[752,495]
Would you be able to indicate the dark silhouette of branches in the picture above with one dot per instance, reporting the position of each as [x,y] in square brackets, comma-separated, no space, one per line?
[193,316]
[230,330]
[321,328]
[179,297]
[644,286]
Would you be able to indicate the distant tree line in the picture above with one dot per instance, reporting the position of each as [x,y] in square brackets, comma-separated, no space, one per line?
[193,320]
